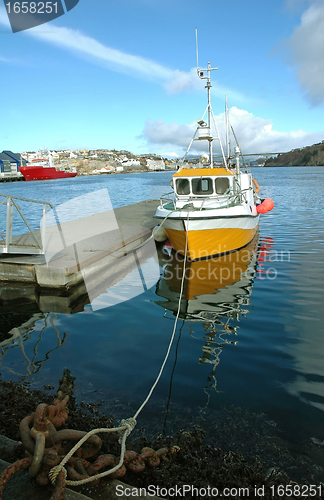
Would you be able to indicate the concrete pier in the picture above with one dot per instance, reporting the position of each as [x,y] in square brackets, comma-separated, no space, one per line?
[87,248]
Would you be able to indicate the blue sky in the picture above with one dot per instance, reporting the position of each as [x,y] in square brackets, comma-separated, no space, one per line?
[122,75]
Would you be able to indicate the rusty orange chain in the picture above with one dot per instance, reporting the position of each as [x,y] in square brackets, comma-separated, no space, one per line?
[44,443]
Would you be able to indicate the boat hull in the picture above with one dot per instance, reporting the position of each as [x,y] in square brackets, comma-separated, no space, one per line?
[39,173]
[206,238]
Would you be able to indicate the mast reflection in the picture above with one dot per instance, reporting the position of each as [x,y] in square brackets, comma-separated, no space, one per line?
[26,340]
[216,293]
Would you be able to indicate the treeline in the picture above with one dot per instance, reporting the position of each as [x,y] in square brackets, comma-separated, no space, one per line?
[308,156]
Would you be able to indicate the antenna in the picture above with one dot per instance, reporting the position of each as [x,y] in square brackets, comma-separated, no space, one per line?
[227,128]
[197,50]
[201,72]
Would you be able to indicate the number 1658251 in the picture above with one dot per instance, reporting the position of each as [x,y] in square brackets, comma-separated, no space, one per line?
[32,7]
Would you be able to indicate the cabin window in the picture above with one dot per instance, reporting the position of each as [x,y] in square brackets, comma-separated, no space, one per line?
[183,186]
[202,186]
[221,185]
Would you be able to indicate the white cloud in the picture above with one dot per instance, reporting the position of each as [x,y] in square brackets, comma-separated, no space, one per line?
[181,80]
[117,60]
[306,45]
[170,154]
[255,134]
[159,132]
[173,81]
[86,46]
[178,81]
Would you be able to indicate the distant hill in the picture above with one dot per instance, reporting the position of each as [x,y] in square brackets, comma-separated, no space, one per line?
[308,156]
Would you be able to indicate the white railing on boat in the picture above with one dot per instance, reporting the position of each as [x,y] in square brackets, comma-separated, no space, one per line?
[33,241]
[228,200]
[166,198]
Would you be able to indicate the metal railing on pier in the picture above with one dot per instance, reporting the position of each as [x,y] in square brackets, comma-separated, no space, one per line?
[31,242]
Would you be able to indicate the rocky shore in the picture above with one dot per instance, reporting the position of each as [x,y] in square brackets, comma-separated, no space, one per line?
[264,468]
[309,156]
[108,162]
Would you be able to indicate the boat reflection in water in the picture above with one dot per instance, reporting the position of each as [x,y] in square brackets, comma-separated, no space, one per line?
[29,325]
[216,292]
[27,346]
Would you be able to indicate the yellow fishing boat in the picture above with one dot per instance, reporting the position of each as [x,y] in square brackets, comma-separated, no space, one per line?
[214,212]
[214,209]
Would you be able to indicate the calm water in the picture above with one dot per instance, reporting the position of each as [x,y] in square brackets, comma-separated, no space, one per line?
[255,344]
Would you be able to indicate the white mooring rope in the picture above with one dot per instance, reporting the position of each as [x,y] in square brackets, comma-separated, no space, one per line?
[126,425]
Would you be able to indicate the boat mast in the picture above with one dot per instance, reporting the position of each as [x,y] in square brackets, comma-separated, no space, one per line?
[208,87]
[201,73]
[227,130]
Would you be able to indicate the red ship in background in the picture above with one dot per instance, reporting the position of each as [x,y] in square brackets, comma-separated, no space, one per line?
[42,169]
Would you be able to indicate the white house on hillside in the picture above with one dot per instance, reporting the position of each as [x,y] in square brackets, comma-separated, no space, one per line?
[155,164]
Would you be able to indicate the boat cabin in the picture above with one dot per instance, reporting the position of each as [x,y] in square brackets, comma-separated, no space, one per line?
[202,182]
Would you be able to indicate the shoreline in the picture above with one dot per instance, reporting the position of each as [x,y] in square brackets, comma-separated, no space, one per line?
[197,463]
[191,459]
[19,179]
[143,171]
